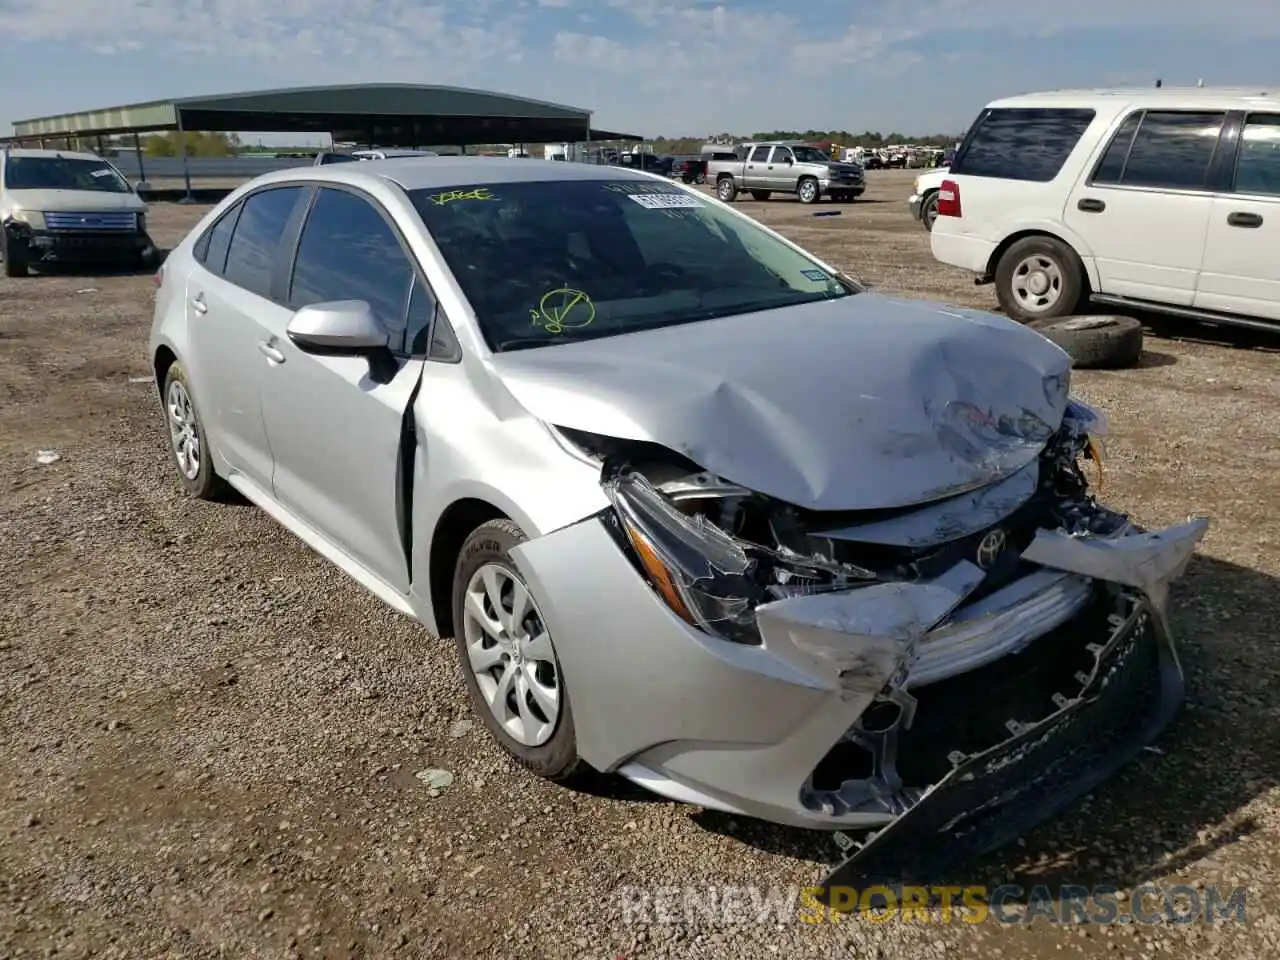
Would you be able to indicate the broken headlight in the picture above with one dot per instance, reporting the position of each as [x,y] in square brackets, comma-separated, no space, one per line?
[701,572]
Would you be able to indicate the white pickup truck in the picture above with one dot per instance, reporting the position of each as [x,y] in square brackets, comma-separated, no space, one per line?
[763,169]
[923,201]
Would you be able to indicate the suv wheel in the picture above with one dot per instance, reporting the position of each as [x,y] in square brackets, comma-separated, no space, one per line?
[1039,278]
[808,190]
[508,656]
[929,212]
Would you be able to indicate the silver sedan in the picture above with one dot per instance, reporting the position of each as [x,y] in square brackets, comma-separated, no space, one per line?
[697,508]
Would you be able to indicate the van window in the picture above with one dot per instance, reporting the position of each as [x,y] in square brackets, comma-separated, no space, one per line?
[1021,143]
[1173,150]
[1258,166]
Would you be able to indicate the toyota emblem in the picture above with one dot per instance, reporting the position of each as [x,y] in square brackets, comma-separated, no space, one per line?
[991,547]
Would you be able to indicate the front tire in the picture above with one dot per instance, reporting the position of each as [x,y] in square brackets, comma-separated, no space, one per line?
[507,655]
[1039,278]
[188,442]
[808,190]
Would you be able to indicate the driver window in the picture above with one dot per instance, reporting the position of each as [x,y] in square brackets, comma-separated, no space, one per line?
[781,155]
[759,154]
[349,252]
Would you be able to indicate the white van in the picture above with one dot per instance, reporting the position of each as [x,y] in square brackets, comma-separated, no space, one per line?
[1155,199]
[57,206]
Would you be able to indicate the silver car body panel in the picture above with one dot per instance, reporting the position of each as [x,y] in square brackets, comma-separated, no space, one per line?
[939,415]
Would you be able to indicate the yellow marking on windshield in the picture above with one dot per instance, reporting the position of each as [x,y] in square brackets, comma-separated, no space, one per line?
[561,309]
[479,193]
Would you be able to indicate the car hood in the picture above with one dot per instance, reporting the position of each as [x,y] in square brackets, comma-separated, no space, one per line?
[74,201]
[860,403]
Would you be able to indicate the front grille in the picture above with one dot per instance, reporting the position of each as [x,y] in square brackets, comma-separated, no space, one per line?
[76,222]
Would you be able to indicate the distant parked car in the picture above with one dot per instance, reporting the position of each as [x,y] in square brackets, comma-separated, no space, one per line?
[333,156]
[787,167]
[57,206]
[649,162]
[689,169]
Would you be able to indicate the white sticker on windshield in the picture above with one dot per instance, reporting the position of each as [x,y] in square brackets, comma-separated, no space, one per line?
[665,201]
[104,172]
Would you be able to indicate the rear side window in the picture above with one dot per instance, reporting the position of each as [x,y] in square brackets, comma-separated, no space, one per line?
[1172,150]
[1021,144]
[251,258]
[760,154]
[211,249]
[1258,166]
[1111,167]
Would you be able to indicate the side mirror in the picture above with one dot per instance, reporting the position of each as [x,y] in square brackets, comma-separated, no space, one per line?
[341,327]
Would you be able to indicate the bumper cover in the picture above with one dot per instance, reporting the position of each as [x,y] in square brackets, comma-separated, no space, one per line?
[746,729]
[915,203]
[80,246]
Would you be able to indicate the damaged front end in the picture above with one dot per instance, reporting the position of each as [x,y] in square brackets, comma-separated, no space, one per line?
[998,652]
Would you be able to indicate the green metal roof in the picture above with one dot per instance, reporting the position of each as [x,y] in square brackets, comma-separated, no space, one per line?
[390,114]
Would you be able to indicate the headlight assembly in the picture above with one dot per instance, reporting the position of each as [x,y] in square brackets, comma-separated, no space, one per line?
[699,570]
[32,218]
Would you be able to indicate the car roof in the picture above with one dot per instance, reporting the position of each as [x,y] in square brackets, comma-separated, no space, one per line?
[50,154]
[1215,98]
[426,173]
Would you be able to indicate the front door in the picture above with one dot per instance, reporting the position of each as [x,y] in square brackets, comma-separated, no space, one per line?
[1143,213]
[1241,270]
[336,423]
[227,296]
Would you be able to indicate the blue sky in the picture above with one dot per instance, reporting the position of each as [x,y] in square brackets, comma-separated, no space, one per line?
[649,66]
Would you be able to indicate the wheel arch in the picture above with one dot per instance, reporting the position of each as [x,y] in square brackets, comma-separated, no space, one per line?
[451,530]
[1075,244]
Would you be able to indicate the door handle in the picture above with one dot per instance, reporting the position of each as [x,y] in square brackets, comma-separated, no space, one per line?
[1239,219]
[268,350]
[198,304]
[1091,205]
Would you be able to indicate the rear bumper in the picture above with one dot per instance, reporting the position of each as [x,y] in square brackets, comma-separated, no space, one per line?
[966,252]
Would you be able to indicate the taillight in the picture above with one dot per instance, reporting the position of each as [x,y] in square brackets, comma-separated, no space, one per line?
[949,199]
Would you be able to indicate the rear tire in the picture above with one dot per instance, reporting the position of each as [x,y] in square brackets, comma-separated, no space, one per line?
[1039,278]
[1095,342]
[726,190]
[929,210]
[489,547]
[182,418]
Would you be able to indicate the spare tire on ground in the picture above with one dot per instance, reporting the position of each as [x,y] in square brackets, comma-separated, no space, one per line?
[1100,343]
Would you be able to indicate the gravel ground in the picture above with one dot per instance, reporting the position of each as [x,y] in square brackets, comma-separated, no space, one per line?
[208,736]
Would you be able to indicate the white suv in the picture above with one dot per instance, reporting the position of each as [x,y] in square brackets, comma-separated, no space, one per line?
[1155,199]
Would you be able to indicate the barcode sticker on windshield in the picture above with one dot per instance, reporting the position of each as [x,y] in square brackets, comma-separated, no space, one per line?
[665,201]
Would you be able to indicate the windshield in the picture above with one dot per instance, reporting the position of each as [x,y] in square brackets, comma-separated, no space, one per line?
[63,173]
[554,261]
[810,155]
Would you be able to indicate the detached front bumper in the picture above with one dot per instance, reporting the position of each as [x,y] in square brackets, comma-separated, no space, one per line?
[79,246]
[872,707]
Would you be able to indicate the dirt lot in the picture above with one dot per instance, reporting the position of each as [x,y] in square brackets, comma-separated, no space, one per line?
[208,735]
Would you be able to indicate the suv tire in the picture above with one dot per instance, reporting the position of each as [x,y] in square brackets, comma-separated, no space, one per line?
[1039,278]
[808,190]
[1095,342]
[929,210]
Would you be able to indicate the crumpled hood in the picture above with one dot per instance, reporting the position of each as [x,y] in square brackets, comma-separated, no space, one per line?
[860,403]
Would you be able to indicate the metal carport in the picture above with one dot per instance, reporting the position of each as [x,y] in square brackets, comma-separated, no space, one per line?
[382,114]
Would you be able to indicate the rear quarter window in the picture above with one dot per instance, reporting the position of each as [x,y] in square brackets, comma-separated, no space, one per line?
[1021,143]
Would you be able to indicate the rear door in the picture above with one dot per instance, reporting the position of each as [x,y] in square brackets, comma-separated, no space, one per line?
[336,423]
[1241,269]
[228,300]
[755,174]
[1143,210]
[782,174]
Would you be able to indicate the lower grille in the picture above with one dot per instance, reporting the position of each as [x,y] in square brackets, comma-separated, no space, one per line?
[71,222]
[990,798]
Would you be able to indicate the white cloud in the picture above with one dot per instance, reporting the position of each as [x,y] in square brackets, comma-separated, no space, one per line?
[660,65]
